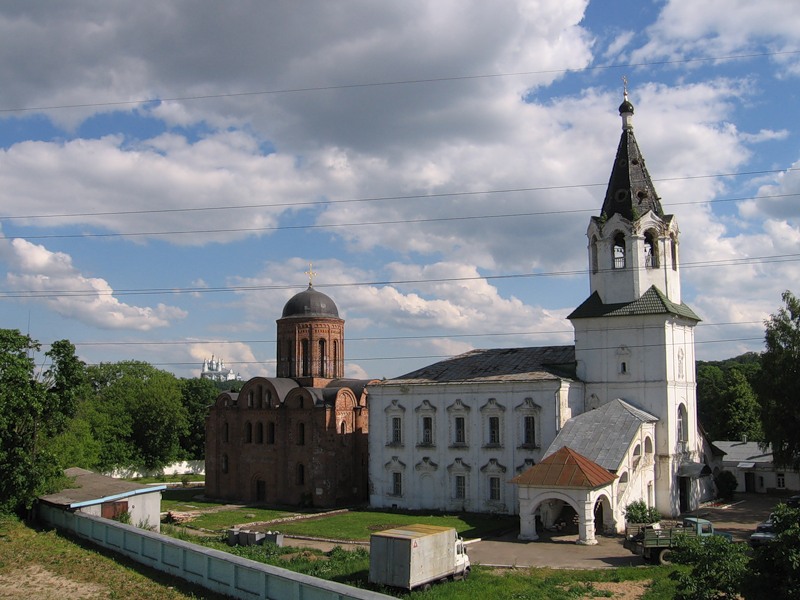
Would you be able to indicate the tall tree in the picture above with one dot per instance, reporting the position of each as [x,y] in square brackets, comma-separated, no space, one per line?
[198,395]
[137,414]
[740,409]
[31,411]
[780,382]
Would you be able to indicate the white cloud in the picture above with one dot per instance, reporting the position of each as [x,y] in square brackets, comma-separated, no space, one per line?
[723,27]
[51,279]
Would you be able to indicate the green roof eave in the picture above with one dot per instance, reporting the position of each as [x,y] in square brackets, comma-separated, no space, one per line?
[652,302]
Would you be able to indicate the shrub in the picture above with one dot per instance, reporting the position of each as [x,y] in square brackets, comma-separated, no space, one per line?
[726,484]
[639,512]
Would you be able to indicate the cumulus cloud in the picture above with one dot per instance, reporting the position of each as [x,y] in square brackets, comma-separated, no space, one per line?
[51,279]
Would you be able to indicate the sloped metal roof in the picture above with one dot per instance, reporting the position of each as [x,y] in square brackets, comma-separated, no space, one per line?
[92,488]
[498,364]
[604,434]
[566,468]
[738,451]
[652,302]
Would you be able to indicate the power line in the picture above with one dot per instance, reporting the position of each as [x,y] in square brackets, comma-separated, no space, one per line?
[229,289]
[391,337]
[388,198]
[350,86]
[442,356]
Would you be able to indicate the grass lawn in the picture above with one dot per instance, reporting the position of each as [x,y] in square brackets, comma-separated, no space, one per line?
[358,525]
[351,567]
[224,519]
[46,564]
[185,499]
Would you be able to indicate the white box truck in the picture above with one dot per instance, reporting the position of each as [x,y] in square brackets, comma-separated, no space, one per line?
[416,556]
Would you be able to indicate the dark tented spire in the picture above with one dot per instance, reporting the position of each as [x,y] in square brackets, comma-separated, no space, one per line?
[630,190]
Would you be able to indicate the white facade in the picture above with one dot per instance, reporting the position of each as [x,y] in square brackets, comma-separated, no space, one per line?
[454,447]
[634,342]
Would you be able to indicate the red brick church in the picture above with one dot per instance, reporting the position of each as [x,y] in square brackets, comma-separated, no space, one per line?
[299,438]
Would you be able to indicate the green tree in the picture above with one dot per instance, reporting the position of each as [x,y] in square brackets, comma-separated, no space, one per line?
[710,386]
[728,407]
[31,411]
[780,382]
[137,414]
[197,395]
[775,568]
[740,414]
[718,568]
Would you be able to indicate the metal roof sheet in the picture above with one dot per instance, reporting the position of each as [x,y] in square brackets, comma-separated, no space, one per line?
[498,364]
[652,302]
[604,434]
[92,488]
[566,468]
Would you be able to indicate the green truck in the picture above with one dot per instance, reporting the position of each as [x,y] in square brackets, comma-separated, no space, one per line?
[655,543]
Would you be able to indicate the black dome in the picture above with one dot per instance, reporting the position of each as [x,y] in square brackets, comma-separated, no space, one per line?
[310,303]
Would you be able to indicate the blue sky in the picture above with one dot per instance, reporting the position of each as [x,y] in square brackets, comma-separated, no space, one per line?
[168,173]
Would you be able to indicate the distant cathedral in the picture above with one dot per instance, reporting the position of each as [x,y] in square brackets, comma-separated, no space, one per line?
[215,371]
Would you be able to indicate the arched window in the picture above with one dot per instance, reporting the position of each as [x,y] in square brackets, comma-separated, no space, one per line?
[224,463]
[637,456]
[619,251]
[648,446]
[250,399]
[683,424]
[259,433]
[301,434]
[271,432]
[342,428]
[651,250]
[336,370]
[593,253]
[323,371]
[673,246]
[225,433]
[248,432]
[301,474]
[305,358]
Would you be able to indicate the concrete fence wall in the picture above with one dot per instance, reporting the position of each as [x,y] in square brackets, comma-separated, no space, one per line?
[214,570]
[186,467]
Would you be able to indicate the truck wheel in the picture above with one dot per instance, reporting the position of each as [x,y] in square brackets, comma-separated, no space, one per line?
[466,573]
[665,557]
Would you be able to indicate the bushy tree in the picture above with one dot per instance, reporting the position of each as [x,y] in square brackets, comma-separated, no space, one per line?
[718,568]
[726,484]
[728,406]
[780,382]
[32,411]
[198,395]
[638,512]
[775,568]
[137,414]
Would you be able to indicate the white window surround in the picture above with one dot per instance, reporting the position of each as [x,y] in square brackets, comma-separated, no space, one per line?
[458,410]
[528,409]
[493,429]
[426,436]
[394,411]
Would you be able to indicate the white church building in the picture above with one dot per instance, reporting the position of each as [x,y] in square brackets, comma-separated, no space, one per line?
[582,430]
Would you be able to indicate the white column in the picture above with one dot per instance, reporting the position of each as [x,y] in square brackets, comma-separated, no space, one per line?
[586,525]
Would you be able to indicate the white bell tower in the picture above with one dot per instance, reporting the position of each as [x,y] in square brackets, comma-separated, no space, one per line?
[634,338]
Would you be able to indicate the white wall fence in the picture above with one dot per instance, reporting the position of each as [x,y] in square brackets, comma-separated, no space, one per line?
[214,570]
[186,467]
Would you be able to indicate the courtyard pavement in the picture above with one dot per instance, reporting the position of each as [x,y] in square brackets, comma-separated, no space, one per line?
[559,551]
